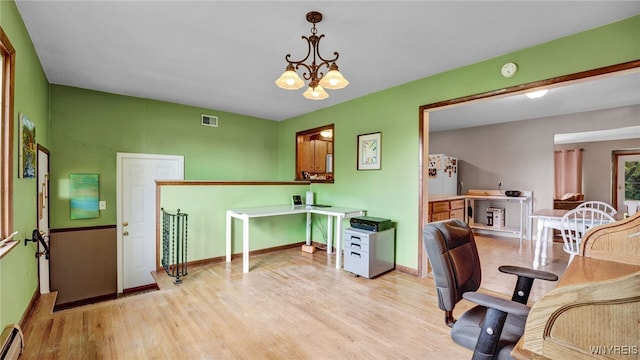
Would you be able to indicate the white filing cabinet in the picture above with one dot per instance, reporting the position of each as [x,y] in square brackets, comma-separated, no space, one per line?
[369,253]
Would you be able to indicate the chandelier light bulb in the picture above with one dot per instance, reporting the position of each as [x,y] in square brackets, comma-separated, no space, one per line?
[316,93]
[334,80]
[289,80]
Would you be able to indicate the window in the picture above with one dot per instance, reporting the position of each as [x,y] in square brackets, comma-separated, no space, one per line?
[314,154]
[7,64]
[626,181]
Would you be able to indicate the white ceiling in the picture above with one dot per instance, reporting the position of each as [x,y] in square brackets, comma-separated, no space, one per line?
[629,132]
[225,55]
[601,93]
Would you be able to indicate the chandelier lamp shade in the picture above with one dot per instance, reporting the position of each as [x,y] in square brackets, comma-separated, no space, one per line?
[313,71]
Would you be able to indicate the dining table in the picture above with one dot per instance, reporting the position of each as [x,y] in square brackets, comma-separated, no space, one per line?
[547,220]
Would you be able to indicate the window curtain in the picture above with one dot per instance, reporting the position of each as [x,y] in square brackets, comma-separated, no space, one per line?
[568,172]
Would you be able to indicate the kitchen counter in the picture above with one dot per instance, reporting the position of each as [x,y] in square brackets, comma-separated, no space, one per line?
[433,198]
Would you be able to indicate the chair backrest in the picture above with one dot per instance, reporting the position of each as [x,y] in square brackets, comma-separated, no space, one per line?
[576,222]
[600,205]
[454,258]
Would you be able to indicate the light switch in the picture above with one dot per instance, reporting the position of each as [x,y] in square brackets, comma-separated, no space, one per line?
[102,205]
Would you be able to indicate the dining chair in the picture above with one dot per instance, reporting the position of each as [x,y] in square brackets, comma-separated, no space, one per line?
[575,223]
[600,205]
[492,327]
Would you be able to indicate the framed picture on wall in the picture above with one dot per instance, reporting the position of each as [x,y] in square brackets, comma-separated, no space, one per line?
[369,150]
[84,196]
[27,148]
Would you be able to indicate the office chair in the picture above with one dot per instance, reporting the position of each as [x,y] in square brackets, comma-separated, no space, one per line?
[494,326]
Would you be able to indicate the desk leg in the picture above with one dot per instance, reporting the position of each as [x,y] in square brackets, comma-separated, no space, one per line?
[521,219]
[536,256]
[545,242]
[228,238]
[339,219]
[245,245]
[329,233]
[529,220]
[308,239]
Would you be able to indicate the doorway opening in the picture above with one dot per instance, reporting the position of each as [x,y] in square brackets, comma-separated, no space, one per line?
[626,181]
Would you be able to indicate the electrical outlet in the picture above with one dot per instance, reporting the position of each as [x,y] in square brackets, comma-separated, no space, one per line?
[102,205]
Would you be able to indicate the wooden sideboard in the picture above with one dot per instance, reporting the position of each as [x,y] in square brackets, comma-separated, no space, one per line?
[594,312]
[446,207]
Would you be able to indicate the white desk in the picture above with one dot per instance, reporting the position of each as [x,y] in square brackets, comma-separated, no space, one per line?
[245,214]
[548,219]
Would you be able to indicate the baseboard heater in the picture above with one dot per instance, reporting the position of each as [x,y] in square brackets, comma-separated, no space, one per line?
[12,342]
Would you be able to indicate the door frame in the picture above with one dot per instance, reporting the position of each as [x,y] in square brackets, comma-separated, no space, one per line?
[616,154]
[47,288]
[121,156]
[423,132]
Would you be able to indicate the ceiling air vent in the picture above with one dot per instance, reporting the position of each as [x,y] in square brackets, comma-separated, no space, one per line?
[209,120]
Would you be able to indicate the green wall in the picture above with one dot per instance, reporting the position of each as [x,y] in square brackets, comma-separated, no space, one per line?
[206,206]
[89,127]
[18,269]
[393,191]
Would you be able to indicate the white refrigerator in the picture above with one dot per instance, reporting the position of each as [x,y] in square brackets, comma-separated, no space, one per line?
[443,174]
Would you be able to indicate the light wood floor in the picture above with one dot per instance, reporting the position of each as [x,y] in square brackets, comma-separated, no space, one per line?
[291,305]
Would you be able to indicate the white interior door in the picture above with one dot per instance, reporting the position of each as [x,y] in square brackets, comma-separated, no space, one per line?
[43,217]
[628,202]
[137,214]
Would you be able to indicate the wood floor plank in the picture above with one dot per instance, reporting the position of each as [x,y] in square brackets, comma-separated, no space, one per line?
[291,305]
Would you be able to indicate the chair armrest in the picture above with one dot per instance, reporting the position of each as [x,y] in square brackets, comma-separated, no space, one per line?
[529,273]
[500,304]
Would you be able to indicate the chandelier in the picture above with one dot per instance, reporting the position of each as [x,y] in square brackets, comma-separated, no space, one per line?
[318,81]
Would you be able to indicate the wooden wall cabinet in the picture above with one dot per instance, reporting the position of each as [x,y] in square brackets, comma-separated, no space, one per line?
[312,149]
[314,156]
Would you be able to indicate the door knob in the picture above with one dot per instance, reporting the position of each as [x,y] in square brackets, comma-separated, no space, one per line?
[125,224]
[126,233]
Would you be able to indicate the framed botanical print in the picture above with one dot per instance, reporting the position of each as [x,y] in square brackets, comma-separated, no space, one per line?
[369,150]
[27,148]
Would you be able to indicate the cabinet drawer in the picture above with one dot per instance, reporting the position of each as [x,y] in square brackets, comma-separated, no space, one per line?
[457,214]
[457,204]
[356,238]
[357,246]
[440,206]
[440,216]
[356,262]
